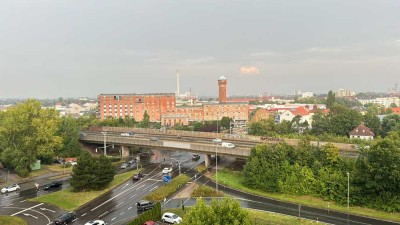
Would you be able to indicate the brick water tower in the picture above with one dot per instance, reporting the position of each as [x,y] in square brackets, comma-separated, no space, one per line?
[222,89]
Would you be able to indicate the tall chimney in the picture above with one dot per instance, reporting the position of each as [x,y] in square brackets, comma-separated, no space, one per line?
[222,89]
[177,83]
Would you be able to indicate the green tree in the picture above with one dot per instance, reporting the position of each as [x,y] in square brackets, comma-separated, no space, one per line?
[320,123]
[28,133]
[391,123]
[372,121]
[330,101]
[378,174]
[393,105]
[145,123]
[69,132]
[225,211]
[225,122]
[92,173]
[342,120]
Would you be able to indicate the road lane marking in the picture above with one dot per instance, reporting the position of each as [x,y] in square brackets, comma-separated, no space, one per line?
[27,209]
[24,200]
[125,185]
[9,204]
[121,213]
[103,213]
[33,211]
[118,204]
[153,188]
[84,214]
[133,196]
[44,209]
[130,208]
[27,214]
[113,218]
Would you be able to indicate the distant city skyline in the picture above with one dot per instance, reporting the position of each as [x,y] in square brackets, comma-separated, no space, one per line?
[51,49]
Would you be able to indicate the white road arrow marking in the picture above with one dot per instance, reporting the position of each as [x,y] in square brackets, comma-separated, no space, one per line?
[44,209]
[27,214]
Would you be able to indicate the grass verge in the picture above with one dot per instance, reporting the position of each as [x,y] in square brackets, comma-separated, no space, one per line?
[70,201]
[12,220]
[200,168]
[259,217]
[235,179]
[167,189]
[205,191]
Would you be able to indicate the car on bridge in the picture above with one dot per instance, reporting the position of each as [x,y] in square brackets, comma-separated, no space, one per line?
[154,139]
[195,157]
[217,140]
[127,134]
[227,145]
[14,187]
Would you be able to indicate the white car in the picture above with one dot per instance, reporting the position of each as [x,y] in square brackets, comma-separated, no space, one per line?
[14,187]
[167,170]
[171,218]
[227,145]
[125,134]
[217,140]
[96,222]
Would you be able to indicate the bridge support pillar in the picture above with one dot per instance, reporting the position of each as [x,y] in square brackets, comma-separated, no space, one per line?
[207,160]
[124,151]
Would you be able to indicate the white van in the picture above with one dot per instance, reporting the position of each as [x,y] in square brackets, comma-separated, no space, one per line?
[227,145]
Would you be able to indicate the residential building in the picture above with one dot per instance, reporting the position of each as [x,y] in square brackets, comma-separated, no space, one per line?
[386,102]
[344,93]
[362,132]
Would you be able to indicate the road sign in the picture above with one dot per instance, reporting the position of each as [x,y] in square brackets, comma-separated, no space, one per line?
[166,178]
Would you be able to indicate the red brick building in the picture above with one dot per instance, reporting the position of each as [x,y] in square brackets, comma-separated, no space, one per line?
[161,107]
[134,105]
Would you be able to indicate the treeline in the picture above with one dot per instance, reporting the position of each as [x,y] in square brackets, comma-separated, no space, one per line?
[319,171]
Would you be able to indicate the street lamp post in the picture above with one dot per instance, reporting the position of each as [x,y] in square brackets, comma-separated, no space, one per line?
[216,168]
[105,142]
[348,195]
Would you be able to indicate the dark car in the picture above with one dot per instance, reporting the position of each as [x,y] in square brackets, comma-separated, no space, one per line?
[65,218]
[137,176]
[52,185]
[144,205]
[195,157]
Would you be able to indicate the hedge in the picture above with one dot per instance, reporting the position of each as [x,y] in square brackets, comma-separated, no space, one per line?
[153,214]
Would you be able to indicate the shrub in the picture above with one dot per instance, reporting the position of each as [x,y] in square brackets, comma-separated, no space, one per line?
[204,191]
[167,189]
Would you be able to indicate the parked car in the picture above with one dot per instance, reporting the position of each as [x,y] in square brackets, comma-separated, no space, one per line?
[150,222]
[137,176]
[72,163]
[217,140]
[96,222]
[14,187]
[171,218]
[132,161]
[52,185]
[124,166]
[167,170]
[195,157]
[154,139]
[227,145]
[65,218]
[144,205]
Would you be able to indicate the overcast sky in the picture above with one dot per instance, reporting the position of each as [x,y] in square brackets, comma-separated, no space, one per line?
[67,48]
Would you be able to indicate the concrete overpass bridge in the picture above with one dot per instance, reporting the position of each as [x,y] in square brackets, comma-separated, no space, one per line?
[195,142]
[195,145]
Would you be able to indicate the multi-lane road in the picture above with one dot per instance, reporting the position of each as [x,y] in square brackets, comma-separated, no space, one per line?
[115,207]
